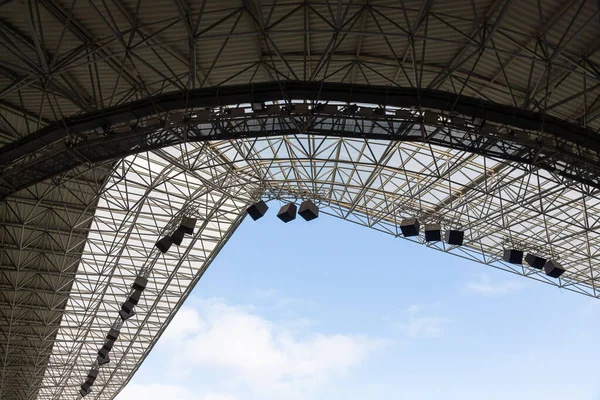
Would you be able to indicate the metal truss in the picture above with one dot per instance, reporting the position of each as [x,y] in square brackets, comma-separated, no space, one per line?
[375,183]
[481,115]
[61,59]
[137,202]
[319,108]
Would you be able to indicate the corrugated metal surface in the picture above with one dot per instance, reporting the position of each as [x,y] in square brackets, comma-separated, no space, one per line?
[104,53]
[147,49]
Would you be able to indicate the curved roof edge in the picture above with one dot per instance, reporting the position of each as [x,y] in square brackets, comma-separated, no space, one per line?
[62,146]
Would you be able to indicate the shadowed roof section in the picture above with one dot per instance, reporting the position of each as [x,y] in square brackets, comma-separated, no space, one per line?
[481,115]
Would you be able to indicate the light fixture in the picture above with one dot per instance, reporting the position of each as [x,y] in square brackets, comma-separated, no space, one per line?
[257,210]
[273,109]
[430,118]
[308,210]
[318,108]
[300,108]
[352,109]
[404,114]
[287,213]
[410,227]
[236,112]
[366,111]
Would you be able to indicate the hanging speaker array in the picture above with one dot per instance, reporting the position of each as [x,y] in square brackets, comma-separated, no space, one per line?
[411,227]
[186,227]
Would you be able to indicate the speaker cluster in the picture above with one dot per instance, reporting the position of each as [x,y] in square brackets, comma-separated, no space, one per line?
[308,210]
[411,227]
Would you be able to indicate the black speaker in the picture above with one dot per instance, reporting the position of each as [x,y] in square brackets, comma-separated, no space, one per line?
[131,301]
[113,334]
[455,237]
[92,375]
[535,261]
[127,307]
[410,227]
[256,107]
[135,297]
[103,360]
[126,315]
[513,256]
[177,237]
[553,269]
[257,210]
[164,244]
[85,389]
[308,210]
[433,232]
[140,283]
[187,225]
[379,112]
[104,350]
[287,213]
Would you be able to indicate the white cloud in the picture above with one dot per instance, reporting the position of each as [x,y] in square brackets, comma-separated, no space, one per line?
[186,322]
[486,287]
[419,326]
[257,354]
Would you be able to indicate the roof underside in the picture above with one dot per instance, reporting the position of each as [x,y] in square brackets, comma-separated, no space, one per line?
[57,61]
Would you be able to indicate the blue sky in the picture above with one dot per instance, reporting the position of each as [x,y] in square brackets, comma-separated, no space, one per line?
[328,310]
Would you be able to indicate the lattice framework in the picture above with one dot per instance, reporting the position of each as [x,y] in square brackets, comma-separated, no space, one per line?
[61,59]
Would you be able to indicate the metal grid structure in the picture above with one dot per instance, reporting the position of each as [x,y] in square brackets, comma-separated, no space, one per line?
[82,210]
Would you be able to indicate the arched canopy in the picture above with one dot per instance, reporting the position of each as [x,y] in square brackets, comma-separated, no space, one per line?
[289,108]
[478,114]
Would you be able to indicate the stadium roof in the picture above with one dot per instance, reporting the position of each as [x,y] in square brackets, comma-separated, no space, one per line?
[118,118]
